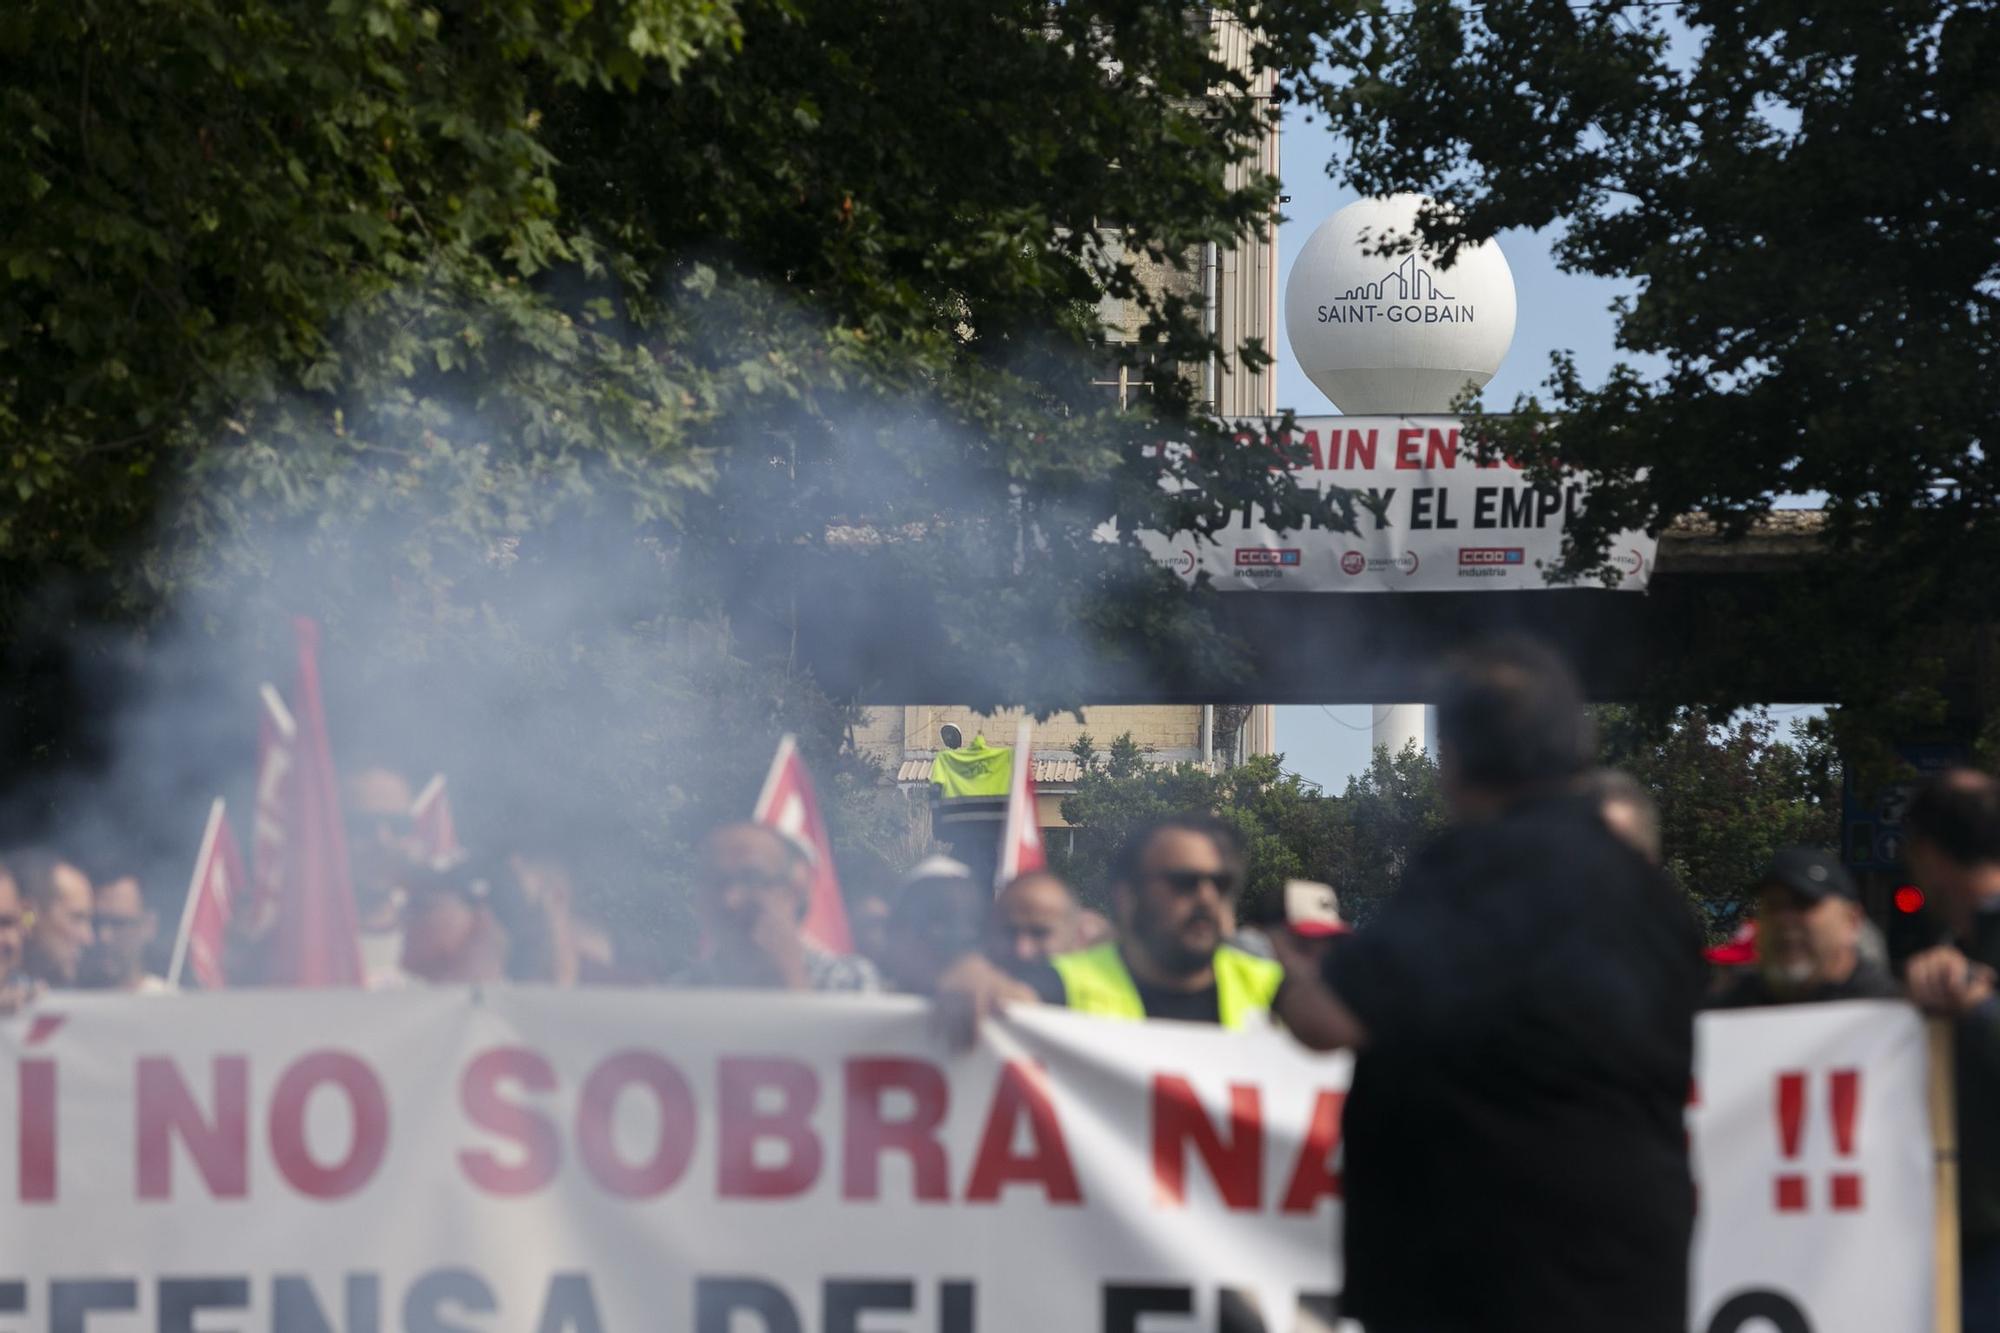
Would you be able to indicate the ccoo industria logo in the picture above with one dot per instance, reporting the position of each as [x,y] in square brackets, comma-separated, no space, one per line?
[1406,294]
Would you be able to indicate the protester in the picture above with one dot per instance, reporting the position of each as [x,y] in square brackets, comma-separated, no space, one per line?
[938,917]
[1627,809]
[546,885]
[1953,853]
[1312,919]
[1172,887]
[451,933]
[123,929]
[1809,940]
[1093,928]
[60,905]
[1032,919]
[16,988]
[868,922]
[1523,1011]
[752,888]
[382,848]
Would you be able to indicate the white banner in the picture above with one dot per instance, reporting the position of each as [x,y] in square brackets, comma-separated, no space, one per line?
[1431,519]
[589,1161]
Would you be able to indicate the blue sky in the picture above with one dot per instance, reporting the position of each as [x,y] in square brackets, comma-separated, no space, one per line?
[1557,311]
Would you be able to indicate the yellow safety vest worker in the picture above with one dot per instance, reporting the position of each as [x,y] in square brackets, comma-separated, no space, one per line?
[1095,981]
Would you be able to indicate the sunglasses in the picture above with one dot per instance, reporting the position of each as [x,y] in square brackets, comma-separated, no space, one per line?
[1190,881]
[106,922]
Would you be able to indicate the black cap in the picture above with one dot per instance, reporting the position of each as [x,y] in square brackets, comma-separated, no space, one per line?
[1811,873]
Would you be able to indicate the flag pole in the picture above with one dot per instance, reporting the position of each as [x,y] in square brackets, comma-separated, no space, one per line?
[786,745]
[195,889]
[1017,796]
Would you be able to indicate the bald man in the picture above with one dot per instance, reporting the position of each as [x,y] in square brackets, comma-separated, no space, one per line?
[1032,919]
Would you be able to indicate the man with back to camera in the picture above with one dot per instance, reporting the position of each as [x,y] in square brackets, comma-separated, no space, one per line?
[1953,853]
[1523,1017]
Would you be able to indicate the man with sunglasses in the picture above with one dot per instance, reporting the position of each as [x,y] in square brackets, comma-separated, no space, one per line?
[751,890]
[1173,892]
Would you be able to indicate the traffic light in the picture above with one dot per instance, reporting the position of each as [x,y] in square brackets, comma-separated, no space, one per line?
[1908,900]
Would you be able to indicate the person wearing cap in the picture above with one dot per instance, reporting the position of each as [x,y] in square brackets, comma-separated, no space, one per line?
[936,918]
[1809,925]
[751,890]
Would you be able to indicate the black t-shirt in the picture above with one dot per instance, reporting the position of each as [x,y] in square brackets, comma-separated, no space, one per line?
[1745,988]
[1202,1006]
[1516,1152]
[1199,1006]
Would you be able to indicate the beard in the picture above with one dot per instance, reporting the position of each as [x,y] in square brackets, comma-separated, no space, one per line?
[1174,954]
[1792,975]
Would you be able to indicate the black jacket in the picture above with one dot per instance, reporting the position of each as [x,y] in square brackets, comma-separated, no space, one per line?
[1516,1152]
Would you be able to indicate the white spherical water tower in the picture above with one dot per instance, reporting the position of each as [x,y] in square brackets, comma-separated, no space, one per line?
[1396,334]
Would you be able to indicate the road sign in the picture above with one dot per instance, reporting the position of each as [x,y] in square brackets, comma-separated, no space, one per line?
[1872,822]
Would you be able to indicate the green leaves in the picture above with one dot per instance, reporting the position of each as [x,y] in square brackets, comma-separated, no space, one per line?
[1358,840]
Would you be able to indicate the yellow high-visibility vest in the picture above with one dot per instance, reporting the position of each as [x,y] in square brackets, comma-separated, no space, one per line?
[1096,981]
[976,770]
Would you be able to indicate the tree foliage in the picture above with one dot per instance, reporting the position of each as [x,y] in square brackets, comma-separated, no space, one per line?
[1732,789]
[1358,840]
[737,278]
[535,348]
[1802,197]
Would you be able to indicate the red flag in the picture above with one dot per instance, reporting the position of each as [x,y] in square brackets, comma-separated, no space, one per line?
[1021,847]
[211,900]
[788,805]
[277,737]
[430,818]
[318,942]
[1739,949]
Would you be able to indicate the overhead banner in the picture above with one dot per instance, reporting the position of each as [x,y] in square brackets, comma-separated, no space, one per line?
[591,1161]
[1430,518]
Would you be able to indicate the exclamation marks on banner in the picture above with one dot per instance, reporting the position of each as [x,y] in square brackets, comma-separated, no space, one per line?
[1844,1106]
[1846,1092]
[1791,1129]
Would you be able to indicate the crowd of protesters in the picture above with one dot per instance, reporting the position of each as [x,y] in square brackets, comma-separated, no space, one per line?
[1522,1010]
